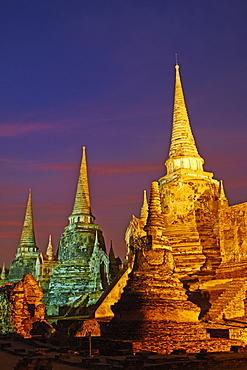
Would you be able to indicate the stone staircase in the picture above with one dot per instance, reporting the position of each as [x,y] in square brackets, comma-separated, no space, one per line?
[230,303]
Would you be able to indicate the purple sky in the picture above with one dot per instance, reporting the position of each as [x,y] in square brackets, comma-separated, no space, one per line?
[101,74]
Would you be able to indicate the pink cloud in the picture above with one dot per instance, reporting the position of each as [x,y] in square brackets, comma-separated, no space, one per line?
[116,201]
[94,169]
[10,223]
[9,235]
[239,183]
[102,169]
[56,167]
[12,130]
[125,168]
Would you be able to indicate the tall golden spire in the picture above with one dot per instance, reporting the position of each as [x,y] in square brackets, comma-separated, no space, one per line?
[183,151]
[27,235]
[82,198]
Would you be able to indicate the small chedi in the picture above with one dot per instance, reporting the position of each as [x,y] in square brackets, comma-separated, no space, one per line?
[188,285]
[28,260]
[154,308]
[27,256]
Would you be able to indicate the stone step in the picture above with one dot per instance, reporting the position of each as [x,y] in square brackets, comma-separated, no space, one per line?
[217,309]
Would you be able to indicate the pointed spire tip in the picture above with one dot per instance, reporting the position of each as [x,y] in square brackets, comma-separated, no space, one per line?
[82,198]
[49,249]
[182,140]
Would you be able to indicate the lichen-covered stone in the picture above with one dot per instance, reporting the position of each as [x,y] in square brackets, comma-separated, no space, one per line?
[82,271]
[5,313]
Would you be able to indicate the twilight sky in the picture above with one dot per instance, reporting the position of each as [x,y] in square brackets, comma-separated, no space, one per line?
[101,74]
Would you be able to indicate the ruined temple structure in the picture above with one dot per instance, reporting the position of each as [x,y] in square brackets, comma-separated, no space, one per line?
[188,285]
[21,307]
[81,270]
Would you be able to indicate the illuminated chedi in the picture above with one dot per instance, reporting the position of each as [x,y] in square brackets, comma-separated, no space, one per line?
[189,224]
[82,272]
[206,235]
[189,197]
[190,200]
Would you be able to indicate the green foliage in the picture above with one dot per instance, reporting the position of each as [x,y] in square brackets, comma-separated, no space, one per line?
[5,315]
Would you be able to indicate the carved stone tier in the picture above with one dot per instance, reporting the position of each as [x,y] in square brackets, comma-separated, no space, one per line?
[233,235]
[232,270]
[230,302]
[78,271]
[189,208]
